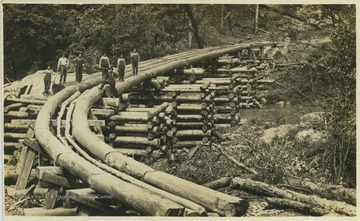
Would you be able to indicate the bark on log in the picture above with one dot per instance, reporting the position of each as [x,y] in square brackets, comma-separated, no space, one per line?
[191,71]
[132,128]
[266,189]
[130,116]
[306,209]
[14,106]
[25,101]
[124,140]
[331,192]
[192,133]
[220,183]
[16,114]
[189,118]
[157,110]
[131,152]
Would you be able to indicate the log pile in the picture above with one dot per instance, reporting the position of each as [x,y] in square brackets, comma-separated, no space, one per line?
[101,123]
[141,130]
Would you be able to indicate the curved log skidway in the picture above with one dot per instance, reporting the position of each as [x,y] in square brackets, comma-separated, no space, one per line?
[127,193]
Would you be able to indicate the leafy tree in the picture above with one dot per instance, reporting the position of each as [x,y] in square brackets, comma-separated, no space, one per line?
[33,37]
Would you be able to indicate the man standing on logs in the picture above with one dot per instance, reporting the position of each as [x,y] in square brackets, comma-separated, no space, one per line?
[63,64]
[135,58]
[121,63]
[79,63]
[47,81]
[104,65]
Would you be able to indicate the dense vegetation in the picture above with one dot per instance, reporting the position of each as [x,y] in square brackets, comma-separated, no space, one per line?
[36,35]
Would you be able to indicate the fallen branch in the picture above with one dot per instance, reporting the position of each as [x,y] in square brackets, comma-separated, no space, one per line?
[269,190]
[237,163]
[304,208]
[326,191]
[217,184]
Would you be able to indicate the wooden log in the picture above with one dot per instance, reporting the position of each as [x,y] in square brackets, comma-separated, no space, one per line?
[331,192]
[51,197]
[16,114]
[155,111]
[130,116]
[186,144]
[108,101]
[103,112]
[11,145]
[171,132]
[266,189]
[236,70]
[59,180]
[88,197]
[170,110]
[53,212]
[216,81]
[124,140]
[189,125]
[192,133]
[187,108]
[188,118]
[13,106]
[190,71]
[25,164]
[306,209]
[132,128]
[25,101]
[220,183]
[135,152]
[25,123]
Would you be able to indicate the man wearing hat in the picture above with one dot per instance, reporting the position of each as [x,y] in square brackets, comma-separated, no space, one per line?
[135,58]
[104,65]
[62,67]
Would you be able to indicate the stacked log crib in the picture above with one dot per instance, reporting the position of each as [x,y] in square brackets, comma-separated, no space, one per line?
[76,151]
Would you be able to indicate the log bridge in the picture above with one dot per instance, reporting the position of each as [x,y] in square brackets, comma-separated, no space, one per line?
[77,144]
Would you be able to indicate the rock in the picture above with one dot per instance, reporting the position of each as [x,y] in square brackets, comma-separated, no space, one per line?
[280,131]
[311,136]
[263,101]
[315,119]
[281,103]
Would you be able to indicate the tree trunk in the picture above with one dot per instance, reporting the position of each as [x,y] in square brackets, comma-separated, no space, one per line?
[256,20]
[220,183]
[189,12]
[268,190]
[306,209]
[327,191]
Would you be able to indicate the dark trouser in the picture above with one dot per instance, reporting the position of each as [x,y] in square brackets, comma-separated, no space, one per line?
[63,72]
[79,73]
[104,72]
[47,83]
[121,73]
[135,68]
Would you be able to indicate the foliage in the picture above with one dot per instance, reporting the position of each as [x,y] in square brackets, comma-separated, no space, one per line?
[36,34]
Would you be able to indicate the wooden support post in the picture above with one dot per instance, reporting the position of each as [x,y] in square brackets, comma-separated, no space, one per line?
[27,163]
[51,196]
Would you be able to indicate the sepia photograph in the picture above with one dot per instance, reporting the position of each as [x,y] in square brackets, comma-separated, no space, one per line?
[222,109]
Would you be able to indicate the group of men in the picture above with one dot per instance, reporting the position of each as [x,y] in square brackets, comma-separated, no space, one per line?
[104,65]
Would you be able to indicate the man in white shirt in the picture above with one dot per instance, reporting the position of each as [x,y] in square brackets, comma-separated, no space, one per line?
[63,64]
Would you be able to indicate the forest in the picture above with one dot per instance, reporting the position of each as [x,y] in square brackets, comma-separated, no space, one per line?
[36,35]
